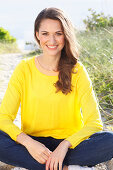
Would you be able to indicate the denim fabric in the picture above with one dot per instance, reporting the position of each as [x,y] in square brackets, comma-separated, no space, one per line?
[98,148]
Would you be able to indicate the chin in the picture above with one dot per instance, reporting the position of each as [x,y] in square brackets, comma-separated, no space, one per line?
[53,53]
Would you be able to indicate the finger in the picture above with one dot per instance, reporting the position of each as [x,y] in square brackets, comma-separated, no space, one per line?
[55,165]
[51,165]
[50,151]
[47,152]
[60,165]
[48,163]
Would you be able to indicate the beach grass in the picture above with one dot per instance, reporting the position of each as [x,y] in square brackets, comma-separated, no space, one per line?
[97,56]
[8,48]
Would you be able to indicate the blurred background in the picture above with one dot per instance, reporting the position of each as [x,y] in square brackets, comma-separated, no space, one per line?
[18,16]
[93,22]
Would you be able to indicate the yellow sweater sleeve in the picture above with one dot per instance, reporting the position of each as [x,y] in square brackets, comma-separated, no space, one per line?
[89,109]
[11,102]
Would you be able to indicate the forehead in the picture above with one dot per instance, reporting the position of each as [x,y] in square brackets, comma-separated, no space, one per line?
[49,25]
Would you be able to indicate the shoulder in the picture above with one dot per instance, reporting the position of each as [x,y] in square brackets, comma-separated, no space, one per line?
[27,61]
[81,73]
[25,64]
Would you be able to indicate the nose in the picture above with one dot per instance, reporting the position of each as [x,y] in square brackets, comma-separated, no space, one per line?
[52,40]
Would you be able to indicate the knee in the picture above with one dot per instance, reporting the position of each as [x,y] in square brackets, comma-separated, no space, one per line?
[109,137]
[4,140]
[5,136]
[108,134]
[105,138]
[2,133]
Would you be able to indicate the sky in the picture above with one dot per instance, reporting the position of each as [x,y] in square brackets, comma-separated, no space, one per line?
[18,16]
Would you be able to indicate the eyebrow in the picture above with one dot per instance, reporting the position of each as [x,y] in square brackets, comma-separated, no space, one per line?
[47,31]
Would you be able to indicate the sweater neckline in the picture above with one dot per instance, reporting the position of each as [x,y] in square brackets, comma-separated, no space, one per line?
[42,71]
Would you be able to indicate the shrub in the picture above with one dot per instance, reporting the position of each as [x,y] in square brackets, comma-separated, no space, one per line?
[96,21]
[6,37]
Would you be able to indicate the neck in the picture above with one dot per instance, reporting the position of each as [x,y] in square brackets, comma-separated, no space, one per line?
[49,62]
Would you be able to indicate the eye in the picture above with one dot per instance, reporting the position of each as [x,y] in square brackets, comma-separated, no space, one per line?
[59,33]
[45,33]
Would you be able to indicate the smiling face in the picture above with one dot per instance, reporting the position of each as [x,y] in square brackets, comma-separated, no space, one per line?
[51,37]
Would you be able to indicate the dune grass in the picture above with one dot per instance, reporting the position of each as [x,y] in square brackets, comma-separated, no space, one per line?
[97,56]
[8,48]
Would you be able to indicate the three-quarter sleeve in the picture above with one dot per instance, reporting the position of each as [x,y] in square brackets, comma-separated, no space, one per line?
[11,102]
[92,122]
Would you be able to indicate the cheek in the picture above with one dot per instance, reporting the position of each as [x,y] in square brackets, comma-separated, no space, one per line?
[43,40]
[61,40]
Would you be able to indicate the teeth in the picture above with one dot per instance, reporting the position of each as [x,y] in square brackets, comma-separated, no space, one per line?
[52,46]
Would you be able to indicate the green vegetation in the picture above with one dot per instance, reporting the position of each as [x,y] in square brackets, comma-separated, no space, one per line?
[6,37]
[33,53]
[97,56]
[8,48]
[7,42]
[96,21]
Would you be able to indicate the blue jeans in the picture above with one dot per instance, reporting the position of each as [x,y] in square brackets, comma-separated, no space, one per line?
[98,148]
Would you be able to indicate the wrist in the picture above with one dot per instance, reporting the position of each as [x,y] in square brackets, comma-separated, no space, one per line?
[24,139]
[67,143]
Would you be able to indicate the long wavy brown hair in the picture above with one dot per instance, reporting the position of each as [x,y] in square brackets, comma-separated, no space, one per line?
[70,52]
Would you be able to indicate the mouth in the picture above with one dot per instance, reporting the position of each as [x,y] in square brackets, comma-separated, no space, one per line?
[52,47]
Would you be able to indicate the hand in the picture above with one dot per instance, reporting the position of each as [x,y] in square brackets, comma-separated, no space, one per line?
[57,156]
[38,151]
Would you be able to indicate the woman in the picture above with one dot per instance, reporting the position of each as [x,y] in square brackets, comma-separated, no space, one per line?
[61,124]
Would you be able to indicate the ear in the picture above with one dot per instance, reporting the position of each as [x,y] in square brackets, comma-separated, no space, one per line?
[37,35]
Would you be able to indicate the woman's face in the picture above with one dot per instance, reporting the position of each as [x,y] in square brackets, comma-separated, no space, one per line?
[51,37]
